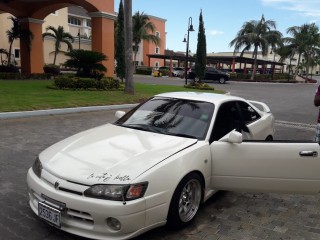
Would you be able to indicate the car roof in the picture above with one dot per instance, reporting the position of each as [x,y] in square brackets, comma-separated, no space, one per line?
[201,96]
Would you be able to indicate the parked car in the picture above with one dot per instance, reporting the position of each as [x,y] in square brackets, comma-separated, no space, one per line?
[210,74]
[177,71]
[157,163]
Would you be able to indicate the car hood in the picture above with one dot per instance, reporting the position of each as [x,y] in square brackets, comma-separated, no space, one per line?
[110,154]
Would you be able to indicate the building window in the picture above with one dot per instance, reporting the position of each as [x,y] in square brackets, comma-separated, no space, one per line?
[88,23]
[156,64]
[158,34]
[17,53]
[74,21]
[157,50]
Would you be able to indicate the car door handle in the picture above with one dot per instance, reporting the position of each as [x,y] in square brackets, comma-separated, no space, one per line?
[308,153]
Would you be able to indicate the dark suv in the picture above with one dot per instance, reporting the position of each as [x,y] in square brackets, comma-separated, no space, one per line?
[210,74]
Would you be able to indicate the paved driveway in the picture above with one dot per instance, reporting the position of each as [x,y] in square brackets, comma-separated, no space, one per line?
[226,216]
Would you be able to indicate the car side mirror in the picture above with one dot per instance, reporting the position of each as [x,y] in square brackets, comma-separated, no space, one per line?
[232,137]
[119,114]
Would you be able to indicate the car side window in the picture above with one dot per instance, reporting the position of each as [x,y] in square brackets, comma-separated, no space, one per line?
[227,119]
[248,113]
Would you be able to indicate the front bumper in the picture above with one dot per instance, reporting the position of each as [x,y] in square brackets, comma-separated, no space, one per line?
[87,216]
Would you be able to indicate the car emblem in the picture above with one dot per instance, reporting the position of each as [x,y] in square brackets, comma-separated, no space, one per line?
[56,185]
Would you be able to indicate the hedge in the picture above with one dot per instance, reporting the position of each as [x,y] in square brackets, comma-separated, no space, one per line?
[144,71]
[259,77]
[20,76]
[70,82]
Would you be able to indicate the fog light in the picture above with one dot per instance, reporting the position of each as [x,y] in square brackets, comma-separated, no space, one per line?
[113,223]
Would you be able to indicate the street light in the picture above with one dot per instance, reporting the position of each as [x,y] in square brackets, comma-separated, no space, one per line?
[190,29]
[79,37]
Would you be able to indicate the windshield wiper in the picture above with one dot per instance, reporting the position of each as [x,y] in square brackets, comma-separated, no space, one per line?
[143,127]
[182,135]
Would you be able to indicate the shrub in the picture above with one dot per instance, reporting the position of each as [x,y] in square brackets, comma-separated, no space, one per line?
[201,86]
[52,69]
[165,72]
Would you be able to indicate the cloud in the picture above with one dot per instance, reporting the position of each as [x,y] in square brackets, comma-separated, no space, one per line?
[308,8]
[215,32]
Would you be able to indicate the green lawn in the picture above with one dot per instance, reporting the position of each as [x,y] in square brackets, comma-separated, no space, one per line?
[23,95]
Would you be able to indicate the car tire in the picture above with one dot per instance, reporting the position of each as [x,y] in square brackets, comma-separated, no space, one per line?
[185,201]
[222,80]
[269,138]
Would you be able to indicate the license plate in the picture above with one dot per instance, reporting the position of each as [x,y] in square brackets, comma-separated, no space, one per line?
[49,214]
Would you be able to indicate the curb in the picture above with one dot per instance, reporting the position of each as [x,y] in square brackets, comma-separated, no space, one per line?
[24,114]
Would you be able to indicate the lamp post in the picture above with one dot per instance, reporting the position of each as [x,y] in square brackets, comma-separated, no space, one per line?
[190,29]
[79,37]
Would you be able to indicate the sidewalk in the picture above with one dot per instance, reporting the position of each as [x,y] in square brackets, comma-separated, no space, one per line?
[23,114]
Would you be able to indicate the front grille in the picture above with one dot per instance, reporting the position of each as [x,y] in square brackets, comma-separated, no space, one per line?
[79,216]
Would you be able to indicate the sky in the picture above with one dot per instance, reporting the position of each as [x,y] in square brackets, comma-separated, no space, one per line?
[223,18]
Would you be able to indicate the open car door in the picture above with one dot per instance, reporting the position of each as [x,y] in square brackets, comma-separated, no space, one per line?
[278,166]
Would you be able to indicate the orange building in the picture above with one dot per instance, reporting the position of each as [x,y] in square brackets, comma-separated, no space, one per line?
[151,48]
[91,20]
[32,14]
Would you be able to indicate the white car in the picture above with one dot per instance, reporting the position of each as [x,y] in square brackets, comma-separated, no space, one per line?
[156,164]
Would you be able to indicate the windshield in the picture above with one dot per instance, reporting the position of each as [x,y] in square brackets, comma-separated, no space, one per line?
[178,117]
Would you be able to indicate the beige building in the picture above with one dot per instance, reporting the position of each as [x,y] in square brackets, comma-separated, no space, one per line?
[72,19]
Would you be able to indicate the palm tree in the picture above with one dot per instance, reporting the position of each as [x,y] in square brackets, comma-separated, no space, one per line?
[87,62]
[60,36]
[257,35]
[305,39]
[17,32]
[142,29]
[313,44]
[287,51]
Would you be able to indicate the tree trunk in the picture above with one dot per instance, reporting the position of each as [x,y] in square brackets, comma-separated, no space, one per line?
[255,63]
[296,71]
[289,69]
[9,55]
[55,57]
[129,88]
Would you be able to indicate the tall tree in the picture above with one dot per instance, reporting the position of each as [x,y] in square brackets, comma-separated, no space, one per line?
[17,32]
[143,29]
[257,35]
[201,54]
[120,53]
[129,88]
[60,36]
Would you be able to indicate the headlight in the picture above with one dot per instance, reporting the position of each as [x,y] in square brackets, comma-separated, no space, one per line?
[117,192]
[37,167]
